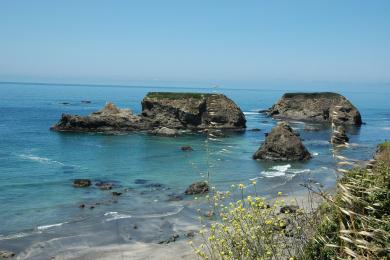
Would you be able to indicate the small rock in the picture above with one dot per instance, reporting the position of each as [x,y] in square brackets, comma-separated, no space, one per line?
[115,193]
[92,207]
[86,101]
[289,209]
[6,254]
[255,130]
[104,185]
[135,227]
[190,234]
[81,183]
[200,187]
[173,238]
[186,148]
[65,103]
[82,206]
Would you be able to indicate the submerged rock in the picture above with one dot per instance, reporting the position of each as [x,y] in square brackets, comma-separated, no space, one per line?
[200,187]
[317,107]
[282,144]
[6,254]
[186,148]
[104,185]
[161,111]
[81,183]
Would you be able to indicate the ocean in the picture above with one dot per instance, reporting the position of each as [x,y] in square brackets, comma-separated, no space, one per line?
[38,166]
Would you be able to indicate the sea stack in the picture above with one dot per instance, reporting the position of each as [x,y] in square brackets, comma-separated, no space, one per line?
[282,144]
[162,113]
[192,111]
[316,107]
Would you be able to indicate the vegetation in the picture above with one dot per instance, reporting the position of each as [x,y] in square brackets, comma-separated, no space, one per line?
[354,223]
[176,95]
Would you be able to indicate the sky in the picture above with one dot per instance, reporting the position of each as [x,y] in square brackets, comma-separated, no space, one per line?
[194,42]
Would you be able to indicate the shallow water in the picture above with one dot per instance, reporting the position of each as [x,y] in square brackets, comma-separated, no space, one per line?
[37,166]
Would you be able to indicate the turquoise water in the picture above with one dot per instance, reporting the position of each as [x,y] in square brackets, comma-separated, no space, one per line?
[37,166]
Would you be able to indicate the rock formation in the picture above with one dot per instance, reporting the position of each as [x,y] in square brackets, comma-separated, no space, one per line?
[200,187]
[161,111]
[282,144]
[192,111]
[339,136]
[317,107]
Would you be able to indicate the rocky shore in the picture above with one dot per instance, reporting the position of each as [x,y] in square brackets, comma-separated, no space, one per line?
[163,113]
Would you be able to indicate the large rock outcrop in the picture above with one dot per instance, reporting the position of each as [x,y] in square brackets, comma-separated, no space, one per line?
[192,111]
[161,110]
[317,107]
[110,118]
[282,144]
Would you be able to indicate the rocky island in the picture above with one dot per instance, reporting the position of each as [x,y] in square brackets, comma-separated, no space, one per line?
[316,107]
[282,144]
[161,112]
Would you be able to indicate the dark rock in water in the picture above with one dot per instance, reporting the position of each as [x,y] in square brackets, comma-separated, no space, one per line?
[156,186]
[82,206]
[339,135]
[317,107]
[175,197]
[282,144]
[190,234]
[263,111]
[255,130]
[289,209]
[200,187]
[104,185]
[109,119]
[191,111]
[115,193]
[81,183]
[173,238]
[165,131]
[91,207]
[65,103]
[187,148]
[86,101]
[214,133]
[140,181]
[6,254]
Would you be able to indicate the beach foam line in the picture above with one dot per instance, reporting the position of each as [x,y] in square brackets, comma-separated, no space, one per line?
[167,214]
[115,215]
[13,236]
[282,170]
[39,159]
[45,227]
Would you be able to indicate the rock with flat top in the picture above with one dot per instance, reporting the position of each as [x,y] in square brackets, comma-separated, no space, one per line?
[200,187]
[316,107]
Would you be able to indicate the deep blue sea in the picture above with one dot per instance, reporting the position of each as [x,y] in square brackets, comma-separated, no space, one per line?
[37,166]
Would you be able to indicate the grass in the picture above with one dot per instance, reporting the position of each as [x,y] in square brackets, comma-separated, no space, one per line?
[353,223]
[176,95]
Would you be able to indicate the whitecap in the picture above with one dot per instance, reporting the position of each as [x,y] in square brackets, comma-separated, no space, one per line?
[251,113]
[115,215]
[282,168]
[315,154]
[39,159]
[40,228]
[13,236]
[270,174]
[386,128]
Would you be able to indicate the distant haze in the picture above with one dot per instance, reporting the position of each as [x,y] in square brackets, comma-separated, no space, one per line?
[194,42]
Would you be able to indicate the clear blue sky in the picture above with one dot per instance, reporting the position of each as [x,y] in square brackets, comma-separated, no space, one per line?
[194,41]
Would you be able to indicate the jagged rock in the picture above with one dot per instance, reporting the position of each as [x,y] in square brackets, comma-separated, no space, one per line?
[110,118]
[192,111]
[165,131]
[6,254]
[317,107]
[339,135]
[282,144]
[81,183]
[200,187]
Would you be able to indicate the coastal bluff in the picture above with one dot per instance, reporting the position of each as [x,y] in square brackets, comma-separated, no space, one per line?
[316,107]
[179,111]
